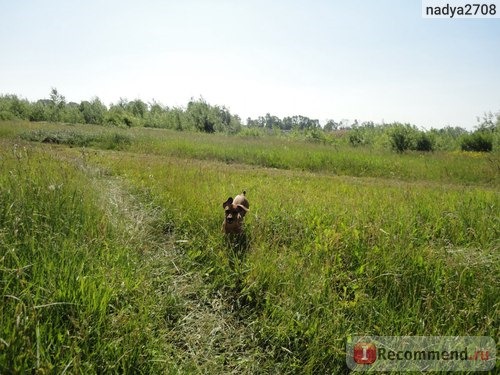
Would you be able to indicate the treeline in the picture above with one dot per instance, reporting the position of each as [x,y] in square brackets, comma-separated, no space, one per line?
[198,115]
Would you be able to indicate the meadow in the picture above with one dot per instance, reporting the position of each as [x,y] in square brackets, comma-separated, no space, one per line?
[112,257]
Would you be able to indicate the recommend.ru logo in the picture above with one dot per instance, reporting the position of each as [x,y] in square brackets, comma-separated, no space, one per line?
[421,353]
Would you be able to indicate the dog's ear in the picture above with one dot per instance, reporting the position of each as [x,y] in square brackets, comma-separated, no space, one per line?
[228,202]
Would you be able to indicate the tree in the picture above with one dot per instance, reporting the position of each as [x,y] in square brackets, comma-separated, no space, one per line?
[93,112]
[41,111]
[331,125]
[11,107]
[72,114]
[489,122]
[198,113]
[137,108]
[272,122]
[57,103]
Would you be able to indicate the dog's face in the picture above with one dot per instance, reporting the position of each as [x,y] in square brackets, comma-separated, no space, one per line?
[233,214]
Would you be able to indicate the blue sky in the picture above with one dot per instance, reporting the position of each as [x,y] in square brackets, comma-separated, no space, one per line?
[365,60]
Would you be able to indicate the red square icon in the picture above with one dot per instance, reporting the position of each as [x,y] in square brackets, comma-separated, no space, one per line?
[365,353]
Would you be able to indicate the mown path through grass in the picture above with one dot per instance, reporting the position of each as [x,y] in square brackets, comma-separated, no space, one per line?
[203,334]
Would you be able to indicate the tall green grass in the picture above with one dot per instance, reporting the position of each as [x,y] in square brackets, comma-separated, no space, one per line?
[338,242]
[330,257]
[282,152]
[287,153]
[75,291]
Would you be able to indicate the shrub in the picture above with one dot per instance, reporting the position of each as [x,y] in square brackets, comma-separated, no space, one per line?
[478,141]
[401,138]
[424,142]
[71,138]
[6,115]
[355,138]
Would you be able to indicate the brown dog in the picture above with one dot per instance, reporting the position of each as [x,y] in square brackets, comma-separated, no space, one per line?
[234,211]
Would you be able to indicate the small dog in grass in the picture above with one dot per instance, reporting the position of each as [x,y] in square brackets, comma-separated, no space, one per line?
[234,212]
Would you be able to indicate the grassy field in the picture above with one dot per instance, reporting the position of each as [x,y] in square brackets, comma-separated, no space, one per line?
[112,257]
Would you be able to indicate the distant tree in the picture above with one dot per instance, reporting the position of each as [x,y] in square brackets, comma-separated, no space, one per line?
[157,116]
[199,117]
[257,123]
[58,100]
[116,115]
[156,108]
[177,119]
[489,122]
[57,103]
[287,123]
[331,125]
[137,108]
[93,112]
[232,123]
[345,124]
[41,110]
[72,114]
[368,125]
[11,107]
[272,122]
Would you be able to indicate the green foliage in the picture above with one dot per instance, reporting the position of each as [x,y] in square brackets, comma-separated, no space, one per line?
[330,125]
[71,114]
[6,115]
[447,138]
[73,296]
[57,105]
[356,138]
[339,241]
[40,111]
[257,147]
[402,137]
[479,141]
[11,107]
[137,108]
[489,122]
[424,142]
[104,140]
[297,123]
[407,137]
[327,252]
[118,116]
[93,112]
[201,116]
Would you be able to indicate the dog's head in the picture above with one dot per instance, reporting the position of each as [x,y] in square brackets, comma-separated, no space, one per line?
[233,213]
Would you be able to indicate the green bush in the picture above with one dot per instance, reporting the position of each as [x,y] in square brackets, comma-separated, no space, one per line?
[408,137]
[478,141]
[424,142]
[6,116]
[401,138]
[104,140]
[356,138]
